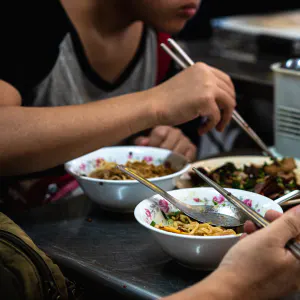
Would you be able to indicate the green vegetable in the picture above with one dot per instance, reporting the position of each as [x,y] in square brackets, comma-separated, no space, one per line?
[261,173]
[236,184]
[174,214]
[170,222]
[291,184]
[153,224]
[280,182]
[249,184]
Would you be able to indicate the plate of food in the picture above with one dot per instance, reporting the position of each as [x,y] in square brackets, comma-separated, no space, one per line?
[258,174]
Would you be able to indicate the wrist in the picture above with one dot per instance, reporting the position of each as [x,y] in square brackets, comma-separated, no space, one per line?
[138,112]
[156,105]
[222,284]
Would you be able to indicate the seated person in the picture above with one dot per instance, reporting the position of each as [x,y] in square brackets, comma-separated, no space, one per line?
[91,83]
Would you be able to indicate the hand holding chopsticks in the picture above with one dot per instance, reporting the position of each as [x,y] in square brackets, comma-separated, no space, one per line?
[293,245]
[184,61]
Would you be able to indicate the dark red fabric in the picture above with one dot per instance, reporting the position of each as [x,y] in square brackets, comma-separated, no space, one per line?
[163,59]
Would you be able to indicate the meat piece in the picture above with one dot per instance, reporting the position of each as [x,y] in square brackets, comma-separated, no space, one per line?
[228,182]
[272,169]
[286,165]
[259,187]
[226,168]
[286,177]
[252,170]
[268,187]
[196,180]
[274,196]
[215,177]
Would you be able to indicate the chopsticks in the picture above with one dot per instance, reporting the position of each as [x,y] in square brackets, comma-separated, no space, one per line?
[260,221]
[291,202]
[184,61]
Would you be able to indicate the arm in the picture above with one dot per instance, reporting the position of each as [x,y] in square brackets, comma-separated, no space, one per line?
[33,134]
[34,139]
[220,285]
[258,267]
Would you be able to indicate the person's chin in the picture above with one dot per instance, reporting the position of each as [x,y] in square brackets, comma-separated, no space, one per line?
[173,27]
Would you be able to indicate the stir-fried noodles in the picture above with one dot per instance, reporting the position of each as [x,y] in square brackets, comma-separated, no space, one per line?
[182,224]
[109,171]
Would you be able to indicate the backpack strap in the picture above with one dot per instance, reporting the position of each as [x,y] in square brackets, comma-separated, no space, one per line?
[163,59]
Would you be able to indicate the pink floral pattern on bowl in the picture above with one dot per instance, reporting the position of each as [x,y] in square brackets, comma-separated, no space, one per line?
[148,159]
[82,167]
[156,207]
[90,165]
[164,205]
[248,202]
[218,199]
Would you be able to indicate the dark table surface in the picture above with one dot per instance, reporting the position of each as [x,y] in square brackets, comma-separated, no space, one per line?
[109,249]
[106,251]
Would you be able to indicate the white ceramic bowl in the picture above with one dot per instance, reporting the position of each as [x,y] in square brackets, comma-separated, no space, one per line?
[196,252]
[124,195]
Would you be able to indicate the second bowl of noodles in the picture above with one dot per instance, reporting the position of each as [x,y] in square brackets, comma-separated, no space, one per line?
[193,244]
[103,183]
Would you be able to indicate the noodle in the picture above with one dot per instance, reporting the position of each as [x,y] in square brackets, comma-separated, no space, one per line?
[109,171]
[182,224]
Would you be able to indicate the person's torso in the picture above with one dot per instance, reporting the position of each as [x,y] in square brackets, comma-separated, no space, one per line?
[73,81]
[68,79]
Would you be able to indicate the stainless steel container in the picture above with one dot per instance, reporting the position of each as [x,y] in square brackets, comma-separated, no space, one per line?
[287,107]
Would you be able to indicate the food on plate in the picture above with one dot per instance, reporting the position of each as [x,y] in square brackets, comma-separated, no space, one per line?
[109,171]
[179,223]
[271,180]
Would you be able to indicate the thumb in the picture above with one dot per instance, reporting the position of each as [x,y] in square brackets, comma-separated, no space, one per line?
[142,141]
[286,227]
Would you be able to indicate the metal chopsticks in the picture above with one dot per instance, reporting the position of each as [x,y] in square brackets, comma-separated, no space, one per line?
[260,221]
[185,61]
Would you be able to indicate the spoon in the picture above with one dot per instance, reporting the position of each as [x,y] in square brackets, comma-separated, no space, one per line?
[225,216]
[287,197]
[293,245]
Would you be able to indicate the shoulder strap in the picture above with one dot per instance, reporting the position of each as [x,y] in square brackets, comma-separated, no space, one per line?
[163,59]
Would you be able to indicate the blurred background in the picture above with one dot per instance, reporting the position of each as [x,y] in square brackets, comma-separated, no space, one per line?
[243,38]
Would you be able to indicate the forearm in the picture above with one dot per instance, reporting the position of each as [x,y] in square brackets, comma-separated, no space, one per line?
[218,286]
[33,139]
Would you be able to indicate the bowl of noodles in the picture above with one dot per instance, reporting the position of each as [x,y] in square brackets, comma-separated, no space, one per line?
[106,185]
[190,243]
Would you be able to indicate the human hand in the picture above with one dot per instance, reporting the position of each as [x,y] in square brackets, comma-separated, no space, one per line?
[171,138]
[260,265]
[200,90]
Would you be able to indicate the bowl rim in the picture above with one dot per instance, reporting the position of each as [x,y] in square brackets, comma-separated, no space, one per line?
[155,179]
[193,237]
